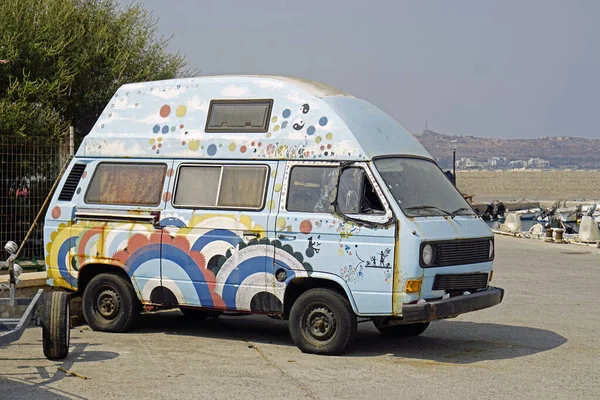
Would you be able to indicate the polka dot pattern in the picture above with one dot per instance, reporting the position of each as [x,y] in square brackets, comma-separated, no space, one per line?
[281,222]
[181,111]
[56,212]
[211,150]
[165,111]
[194,145]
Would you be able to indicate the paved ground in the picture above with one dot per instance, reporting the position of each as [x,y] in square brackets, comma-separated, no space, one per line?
[541,342]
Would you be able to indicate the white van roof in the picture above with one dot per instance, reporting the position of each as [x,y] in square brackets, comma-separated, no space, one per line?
[303,119]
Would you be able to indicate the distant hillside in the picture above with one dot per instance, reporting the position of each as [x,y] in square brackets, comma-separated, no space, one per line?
[562,152]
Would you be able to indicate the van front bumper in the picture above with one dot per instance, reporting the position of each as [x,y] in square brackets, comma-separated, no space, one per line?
[448,308]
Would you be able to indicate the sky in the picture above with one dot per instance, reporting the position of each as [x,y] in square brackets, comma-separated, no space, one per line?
[505,69]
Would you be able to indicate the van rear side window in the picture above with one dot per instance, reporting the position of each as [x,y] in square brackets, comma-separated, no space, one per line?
[228,187]
[127,184]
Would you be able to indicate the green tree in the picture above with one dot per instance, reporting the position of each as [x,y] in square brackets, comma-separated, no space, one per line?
[62,60]
[60,63]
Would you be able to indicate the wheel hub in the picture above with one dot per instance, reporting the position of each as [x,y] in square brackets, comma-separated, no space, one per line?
[321,323]
[108,304]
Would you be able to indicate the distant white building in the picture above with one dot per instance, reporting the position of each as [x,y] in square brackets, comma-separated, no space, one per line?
[497,162]
[517,164]
[466,163]
[538,163]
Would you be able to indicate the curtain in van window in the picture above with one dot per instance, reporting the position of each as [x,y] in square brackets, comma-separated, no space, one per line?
[127,184]
[242,187]
[197,186]
[236,186]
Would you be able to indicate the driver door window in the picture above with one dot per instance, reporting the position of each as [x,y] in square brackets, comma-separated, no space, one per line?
[356,194]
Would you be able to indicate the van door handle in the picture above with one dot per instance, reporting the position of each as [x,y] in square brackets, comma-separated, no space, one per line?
[284,236]
[251,234]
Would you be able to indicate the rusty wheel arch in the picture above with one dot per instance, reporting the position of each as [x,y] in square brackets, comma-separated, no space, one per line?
[89,271]
[300,285]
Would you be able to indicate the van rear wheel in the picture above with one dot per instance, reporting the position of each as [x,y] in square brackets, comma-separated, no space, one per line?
[403,330]
[110,303]
[322,322]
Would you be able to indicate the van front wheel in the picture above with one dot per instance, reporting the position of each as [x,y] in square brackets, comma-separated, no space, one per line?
[110,304]
[322,322]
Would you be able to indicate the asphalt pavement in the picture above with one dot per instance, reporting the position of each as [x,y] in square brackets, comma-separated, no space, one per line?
[541,342]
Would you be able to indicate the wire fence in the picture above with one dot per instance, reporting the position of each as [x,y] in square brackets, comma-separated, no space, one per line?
[28,168]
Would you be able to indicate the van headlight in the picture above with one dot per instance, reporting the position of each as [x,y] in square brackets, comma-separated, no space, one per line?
[491,255]
[427,255]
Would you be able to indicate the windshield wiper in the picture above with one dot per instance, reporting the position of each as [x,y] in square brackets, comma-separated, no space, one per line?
[455,212]
[428,208]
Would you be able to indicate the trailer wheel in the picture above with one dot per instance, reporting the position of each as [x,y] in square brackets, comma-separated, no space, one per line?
[322,322]
[56,326]
[403,330]
[110,303]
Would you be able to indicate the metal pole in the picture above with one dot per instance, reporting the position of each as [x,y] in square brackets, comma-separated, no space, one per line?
[71,141]
[11,279]
[454,165]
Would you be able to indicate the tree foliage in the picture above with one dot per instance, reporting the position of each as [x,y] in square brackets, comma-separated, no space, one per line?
[62,60]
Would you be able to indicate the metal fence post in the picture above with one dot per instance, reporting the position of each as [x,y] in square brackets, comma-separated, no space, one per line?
[71,141]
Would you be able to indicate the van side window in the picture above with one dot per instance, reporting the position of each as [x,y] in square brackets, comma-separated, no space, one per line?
[229,186]
[138,184]
[356,194]
[312,189]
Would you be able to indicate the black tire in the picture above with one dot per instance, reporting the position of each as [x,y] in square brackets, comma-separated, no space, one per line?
[110,303]
[56,325]
[403,330]
[322,322]
[198,314]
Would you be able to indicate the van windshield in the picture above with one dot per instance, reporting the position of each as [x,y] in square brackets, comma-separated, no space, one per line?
[421,188]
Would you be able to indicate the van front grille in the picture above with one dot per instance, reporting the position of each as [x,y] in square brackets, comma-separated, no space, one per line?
[458,252]
[456,282]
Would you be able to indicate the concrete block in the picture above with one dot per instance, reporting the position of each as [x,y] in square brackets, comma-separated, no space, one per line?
[588,230]
[512,223]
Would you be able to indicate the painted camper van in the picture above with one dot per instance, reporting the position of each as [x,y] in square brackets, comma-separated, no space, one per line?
[270,195]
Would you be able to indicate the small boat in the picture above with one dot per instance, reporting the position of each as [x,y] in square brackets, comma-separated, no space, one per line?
[529,214]
[569,214]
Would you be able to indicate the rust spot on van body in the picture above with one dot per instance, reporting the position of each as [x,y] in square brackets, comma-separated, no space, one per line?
[452,223]
[397,284]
